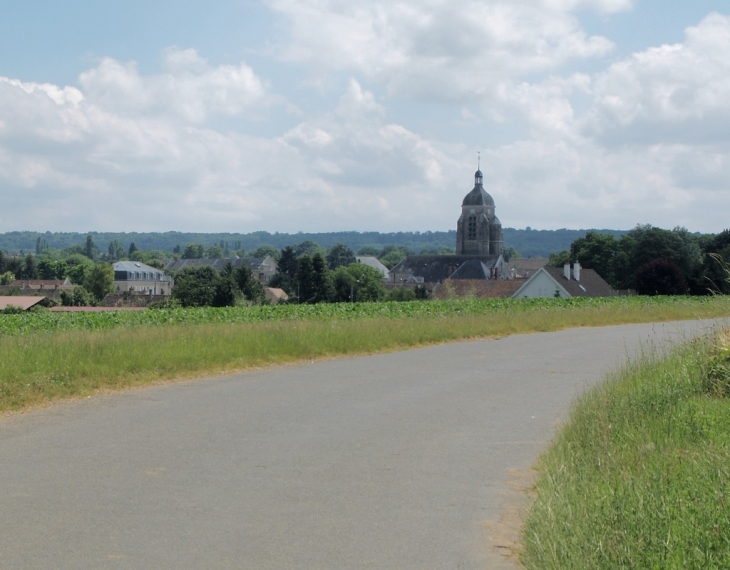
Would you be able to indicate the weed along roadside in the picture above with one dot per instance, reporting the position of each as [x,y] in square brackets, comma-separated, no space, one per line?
[46,357]
[639,476]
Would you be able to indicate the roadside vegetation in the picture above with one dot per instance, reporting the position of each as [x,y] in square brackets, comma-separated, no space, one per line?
[48,356]
[639,476]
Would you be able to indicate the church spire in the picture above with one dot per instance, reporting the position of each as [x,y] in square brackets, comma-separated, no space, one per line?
[478,177]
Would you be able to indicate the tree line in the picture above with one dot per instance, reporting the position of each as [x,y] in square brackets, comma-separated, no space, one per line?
[654,261]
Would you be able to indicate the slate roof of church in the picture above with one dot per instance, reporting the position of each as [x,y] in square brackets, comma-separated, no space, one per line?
[435,268]
[471,269]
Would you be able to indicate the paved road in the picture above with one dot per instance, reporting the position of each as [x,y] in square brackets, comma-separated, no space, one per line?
[389,461]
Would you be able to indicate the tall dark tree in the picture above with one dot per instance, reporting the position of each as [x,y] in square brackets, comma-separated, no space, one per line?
[714,268]
[90,249]
[30,269]
[596,251]
[661,277]
[286,274]
[324,292]
[339,255]
[305,281]
[132,248]
[251,287]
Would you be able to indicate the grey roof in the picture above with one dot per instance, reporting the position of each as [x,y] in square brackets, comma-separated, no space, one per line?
[435,268]
[219,264]
[478,197]
[135,266]
[373,262]
[590,285]
[472,269]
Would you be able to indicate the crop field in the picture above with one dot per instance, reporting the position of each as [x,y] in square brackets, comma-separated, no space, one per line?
[620,307]
[47,356]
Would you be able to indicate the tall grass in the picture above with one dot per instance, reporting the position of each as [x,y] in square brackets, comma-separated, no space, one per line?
[640,475]
[37,367]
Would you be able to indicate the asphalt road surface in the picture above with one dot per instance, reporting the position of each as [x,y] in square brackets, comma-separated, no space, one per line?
[390,461]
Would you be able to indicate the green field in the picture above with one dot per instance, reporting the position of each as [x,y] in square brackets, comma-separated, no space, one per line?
[598,310]
[49,356]
[640,475]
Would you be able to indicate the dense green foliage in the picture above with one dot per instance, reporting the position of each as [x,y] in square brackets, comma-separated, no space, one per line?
[652,260]
[53,321]
[640,475]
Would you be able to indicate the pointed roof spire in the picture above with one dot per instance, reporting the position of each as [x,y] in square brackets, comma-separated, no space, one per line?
[478,177]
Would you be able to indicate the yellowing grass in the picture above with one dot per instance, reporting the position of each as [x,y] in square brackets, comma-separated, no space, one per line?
[39,367]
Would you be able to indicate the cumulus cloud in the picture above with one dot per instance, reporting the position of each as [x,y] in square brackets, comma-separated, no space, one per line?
[670,94]
[440,49]
[188,87]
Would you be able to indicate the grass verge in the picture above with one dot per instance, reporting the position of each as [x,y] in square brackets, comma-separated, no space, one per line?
[42,366]
[639,476]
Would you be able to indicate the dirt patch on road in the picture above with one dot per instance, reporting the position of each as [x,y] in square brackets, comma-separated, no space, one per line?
[505,533]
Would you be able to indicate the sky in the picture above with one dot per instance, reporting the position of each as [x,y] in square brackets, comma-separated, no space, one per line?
[331,115]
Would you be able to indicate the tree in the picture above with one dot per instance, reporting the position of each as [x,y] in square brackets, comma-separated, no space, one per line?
[369,251]
[338,255]
[358,282]
[393,255]
[559,259]
[661,277]
[99,280]
[90,249]
[309,248]
[195,286]
[510,253]
[132,248]
[286,275]
[265,251]
[79,298]
[250,287]
[324,291]
[717,255]
[30,269]
[596,251]
[193,251]
[116,250]
[50,269]
[214,252]
[77,266]
[7,278]
[225,291]
[305,286]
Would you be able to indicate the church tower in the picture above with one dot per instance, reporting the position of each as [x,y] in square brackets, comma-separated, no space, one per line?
[478,231]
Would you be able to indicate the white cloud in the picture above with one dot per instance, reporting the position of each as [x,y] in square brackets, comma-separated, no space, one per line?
[440,49]
[188,87]
[669,94]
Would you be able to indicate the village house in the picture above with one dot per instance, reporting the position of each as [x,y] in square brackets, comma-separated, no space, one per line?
[556,282]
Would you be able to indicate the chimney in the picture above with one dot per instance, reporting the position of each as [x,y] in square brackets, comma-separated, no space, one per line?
[566,271]
[576,271]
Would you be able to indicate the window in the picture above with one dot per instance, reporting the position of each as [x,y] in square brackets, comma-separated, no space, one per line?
[471,228]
